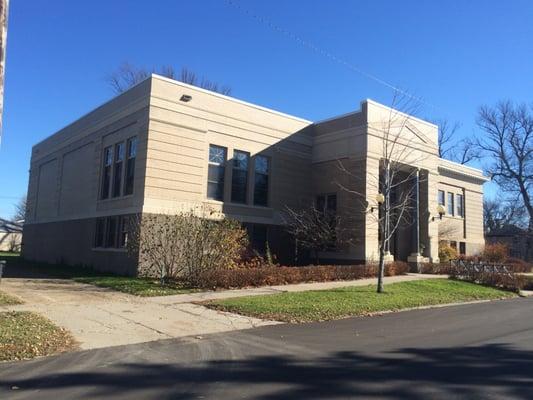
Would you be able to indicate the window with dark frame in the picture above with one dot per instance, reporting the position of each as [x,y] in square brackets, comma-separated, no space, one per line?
[111,232]
[106,172]
[451,207]
[117,169]
[130,165]
[441,197]
[216,171]
[259,237]
[460,207]
[261,180]
[123,231]
[327,204]
[239,177]
[99,236]
[462,248]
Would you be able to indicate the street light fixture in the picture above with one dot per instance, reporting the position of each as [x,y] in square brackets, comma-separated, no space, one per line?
[441,211]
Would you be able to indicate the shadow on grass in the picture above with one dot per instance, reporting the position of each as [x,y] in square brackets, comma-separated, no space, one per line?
[463,372]
[17,267]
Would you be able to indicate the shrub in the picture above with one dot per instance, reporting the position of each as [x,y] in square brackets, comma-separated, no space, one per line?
[258,273]
[187,245]
[447,253]
[529,283]
[496,253]
[488,275]
[432,268]
[517,265]
[474,258]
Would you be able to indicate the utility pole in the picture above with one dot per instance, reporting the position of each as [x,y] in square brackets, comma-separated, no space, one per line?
[4,5]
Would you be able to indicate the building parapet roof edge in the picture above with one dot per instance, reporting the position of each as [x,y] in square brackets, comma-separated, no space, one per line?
[423,121]
[233,99]
[462,169]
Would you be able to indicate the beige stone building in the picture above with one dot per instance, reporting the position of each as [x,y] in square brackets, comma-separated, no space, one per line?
[164,146]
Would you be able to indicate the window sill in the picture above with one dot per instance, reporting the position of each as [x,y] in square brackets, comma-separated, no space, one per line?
[111,199]
[453,217]
[109,249]
[230,203]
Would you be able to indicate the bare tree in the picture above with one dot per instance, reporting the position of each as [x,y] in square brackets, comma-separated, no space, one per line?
[128,75]
[465,151]
[314,229]
[507,141]
[500,212]
[20,210]
[446,139]
[461,151]
[397,200]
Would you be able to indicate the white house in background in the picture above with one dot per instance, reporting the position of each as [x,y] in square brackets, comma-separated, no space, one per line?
[10,235]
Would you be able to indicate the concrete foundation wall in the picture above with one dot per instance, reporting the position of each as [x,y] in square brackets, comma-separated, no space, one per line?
[71,242]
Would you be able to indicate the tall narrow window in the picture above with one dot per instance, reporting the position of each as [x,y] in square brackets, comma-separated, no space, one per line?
[239,178]
[259,238]
[441,197]
[327,204]
[106,172]
[261,177]
[320,203]
[130,165]
[451,208]
[99,233]
[111,232]
[123,232]
[117,169]
[460,208]
[215,177]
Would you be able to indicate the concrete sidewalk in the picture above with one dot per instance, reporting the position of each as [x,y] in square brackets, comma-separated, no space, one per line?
[99,317]
[298,287]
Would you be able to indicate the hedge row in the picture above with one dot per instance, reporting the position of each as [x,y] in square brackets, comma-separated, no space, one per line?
[281,275]
[489,276]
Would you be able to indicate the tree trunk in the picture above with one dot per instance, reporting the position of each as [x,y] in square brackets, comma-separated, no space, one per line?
[381,268]
[529,240]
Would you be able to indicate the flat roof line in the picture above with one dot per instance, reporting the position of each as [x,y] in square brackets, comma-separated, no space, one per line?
[233,99]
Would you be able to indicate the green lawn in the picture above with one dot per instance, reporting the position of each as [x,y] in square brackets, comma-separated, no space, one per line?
[356,300]
[26,335]
[7,300]
[137,286]
[8,254]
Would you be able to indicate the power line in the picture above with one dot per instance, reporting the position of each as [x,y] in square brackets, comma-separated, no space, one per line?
[325,53]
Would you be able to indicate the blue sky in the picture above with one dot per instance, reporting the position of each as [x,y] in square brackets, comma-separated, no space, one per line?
[456,55]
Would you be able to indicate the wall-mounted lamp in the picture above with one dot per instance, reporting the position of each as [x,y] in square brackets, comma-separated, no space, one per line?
[380,199]
[441,211]
[186,98]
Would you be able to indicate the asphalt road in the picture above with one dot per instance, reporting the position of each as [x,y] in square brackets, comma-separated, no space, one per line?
[475,351]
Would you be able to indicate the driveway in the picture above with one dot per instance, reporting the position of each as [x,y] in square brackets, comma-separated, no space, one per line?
[473,351]
[99,317]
